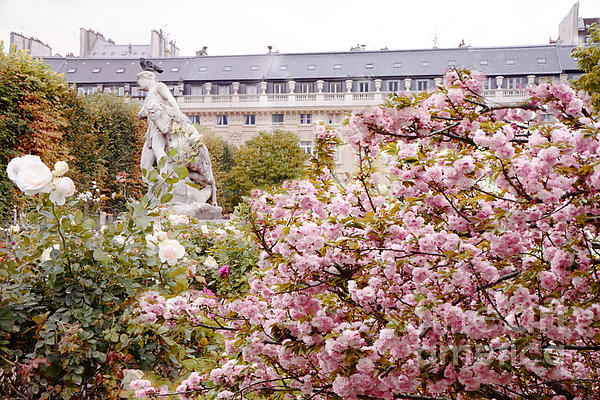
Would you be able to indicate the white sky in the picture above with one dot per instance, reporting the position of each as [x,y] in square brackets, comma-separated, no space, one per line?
[248,26]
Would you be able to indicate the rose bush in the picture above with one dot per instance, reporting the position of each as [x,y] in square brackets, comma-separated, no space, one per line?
[66,286]
[461,261]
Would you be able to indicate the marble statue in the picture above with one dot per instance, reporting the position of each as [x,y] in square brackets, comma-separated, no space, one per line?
[169,128]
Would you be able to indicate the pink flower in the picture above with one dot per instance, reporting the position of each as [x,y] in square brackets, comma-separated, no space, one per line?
[224,271]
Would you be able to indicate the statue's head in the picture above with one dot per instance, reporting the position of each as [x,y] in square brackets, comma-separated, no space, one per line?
[146,79]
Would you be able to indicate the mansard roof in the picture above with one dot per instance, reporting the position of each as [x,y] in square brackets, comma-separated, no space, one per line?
[515,60]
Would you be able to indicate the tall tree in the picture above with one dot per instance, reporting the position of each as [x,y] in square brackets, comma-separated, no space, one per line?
[265,161]
[32,104]
[588,60]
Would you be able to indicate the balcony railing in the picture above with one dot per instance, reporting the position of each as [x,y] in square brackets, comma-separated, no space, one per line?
[346,100]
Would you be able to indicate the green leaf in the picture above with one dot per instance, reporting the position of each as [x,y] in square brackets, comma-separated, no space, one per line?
[182,172]
[165,198]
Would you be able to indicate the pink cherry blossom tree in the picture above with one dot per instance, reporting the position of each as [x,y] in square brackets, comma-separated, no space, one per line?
[460,262]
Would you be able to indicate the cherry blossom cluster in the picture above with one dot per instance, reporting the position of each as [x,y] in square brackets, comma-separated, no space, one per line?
[460,261]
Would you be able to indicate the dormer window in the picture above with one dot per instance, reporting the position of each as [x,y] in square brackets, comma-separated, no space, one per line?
[96,70]
[283,67]
[202,68]
[510,61]
[541,60]
[227,68]
[311,67]
[71,70]
[337,66]
[369,66]
[397,65]
[120,70]
[254,68]
[424,63]
[175,69]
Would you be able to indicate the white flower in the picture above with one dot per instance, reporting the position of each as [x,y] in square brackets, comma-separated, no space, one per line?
[169,251]
[203,228]
[46,253]
[178,219]
[14,229]
[60,168]
[63,188]
[211,263]
[30,175]
[119,240]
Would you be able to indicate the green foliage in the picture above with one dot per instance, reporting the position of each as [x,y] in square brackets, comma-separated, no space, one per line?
[264,162]
[107,139]
[98,135]
[67,287]
[32,105]
[588,60]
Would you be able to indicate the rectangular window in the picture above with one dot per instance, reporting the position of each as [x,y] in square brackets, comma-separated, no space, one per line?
[227,68]
[337,66]
[121,91]
[510,61]
[251,88]
[514,83]
[306,87]
[487,83]
[541,60]
[393,86]
[277,119]
[202,68]
[369,66]
[483,62]
[306,146]
[221,120]
[311,67]
[254,68]
[422,85]
[335,87]
[250,119]
[195,119]
[397,65]
[283,67]
[120,70]
[223,90]
[279,88]
[175,69]
[424,63]
[96,70]
[333,119]
[305,119]
[363,86]
[71,70]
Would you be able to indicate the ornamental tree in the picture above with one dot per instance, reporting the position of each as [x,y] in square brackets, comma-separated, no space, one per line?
[465,266]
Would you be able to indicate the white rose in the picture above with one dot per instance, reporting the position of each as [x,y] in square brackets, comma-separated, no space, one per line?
[60,168]
[63,188]
[169,251]
[30,175]
[211,263]
[46,253]
[13,229]
[178,219]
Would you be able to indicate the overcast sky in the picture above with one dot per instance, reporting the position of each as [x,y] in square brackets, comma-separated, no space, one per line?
[249,26]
